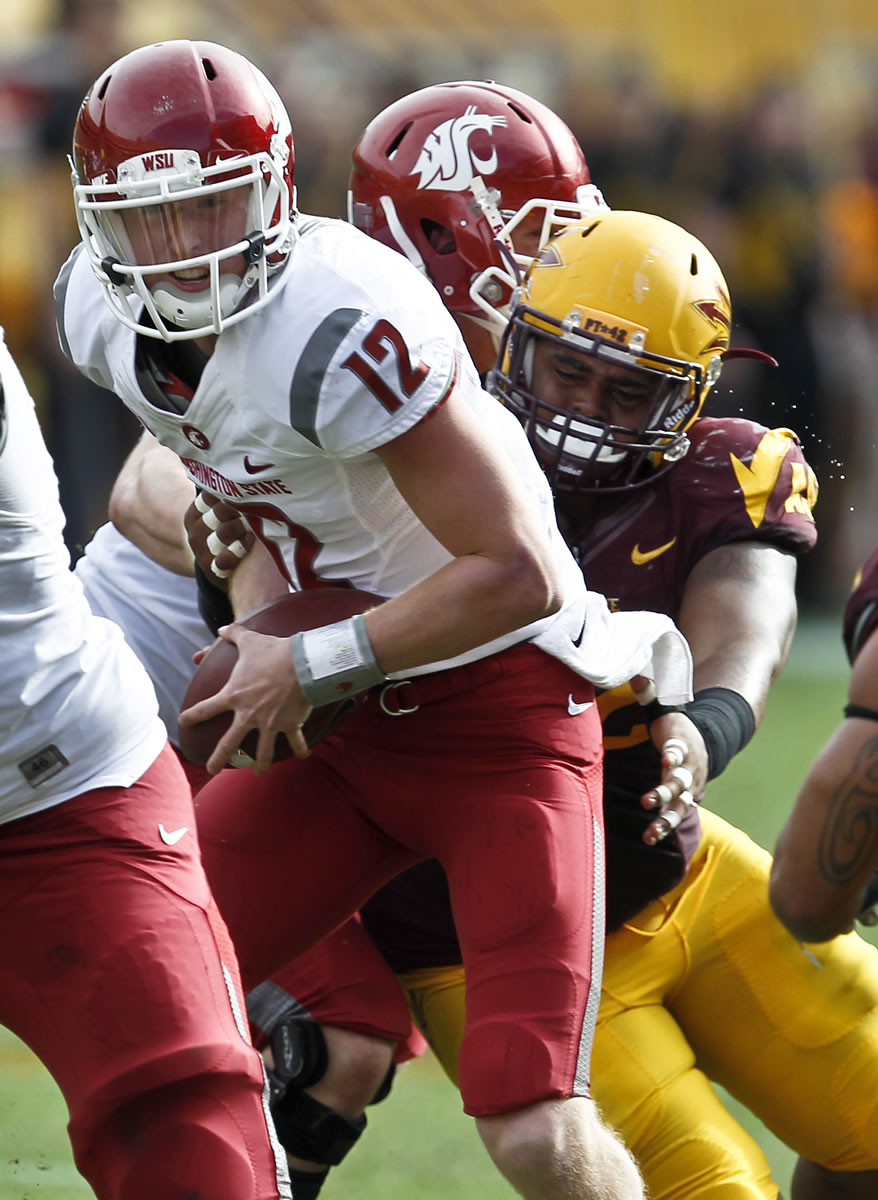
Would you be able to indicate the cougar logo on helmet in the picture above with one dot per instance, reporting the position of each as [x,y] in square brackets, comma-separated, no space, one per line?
[412,186]
[447,160]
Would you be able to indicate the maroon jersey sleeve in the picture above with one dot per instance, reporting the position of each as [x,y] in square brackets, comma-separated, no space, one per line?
[760,485]
[861,610]
[739,482]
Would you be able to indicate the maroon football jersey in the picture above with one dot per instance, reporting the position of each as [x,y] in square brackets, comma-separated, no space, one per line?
[861,610]
[738,482]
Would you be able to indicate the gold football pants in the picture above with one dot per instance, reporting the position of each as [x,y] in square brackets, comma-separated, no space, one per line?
[705,984]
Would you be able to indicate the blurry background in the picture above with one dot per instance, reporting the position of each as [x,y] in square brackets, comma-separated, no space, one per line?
[754,124]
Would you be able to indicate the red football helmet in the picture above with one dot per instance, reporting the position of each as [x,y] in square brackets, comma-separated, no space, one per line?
[448,173]
[183,184]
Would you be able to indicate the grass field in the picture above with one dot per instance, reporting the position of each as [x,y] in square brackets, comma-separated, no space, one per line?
[419,1144]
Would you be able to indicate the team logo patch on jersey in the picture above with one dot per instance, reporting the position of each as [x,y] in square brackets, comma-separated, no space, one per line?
[43,765]
[196,437]
[447,161]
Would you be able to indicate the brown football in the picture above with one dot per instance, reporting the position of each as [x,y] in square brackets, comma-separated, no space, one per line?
[282,618]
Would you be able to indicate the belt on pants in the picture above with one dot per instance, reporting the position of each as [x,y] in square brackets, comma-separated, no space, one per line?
[399,697]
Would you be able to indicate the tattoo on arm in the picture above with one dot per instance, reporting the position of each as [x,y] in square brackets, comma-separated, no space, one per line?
[850,831]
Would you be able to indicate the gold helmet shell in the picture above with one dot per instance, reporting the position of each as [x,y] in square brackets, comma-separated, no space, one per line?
[641,292]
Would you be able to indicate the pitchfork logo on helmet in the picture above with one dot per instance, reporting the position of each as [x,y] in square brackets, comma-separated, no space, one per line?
[719,312]
[447,160]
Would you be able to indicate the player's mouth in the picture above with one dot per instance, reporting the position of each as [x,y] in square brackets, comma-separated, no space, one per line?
[192,279]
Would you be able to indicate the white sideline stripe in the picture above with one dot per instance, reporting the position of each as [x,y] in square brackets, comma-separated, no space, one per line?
[598,932]
[284,1188]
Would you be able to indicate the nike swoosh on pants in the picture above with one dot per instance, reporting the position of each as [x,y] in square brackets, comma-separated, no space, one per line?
[171,837]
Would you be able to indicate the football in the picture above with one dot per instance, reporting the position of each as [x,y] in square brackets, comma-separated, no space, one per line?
[282,618]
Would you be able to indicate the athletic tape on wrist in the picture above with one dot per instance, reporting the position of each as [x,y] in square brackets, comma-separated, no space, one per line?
[334,661]
[726,722]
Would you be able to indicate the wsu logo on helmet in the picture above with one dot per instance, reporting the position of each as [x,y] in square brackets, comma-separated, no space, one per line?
[447,162]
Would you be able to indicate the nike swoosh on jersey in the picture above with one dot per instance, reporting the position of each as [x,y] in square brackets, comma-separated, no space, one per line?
[639,557]
[577,641]
[255,468]
[171,838]
[575,709]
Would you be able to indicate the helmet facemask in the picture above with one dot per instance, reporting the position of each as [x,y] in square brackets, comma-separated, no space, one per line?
[583,454]
[520,236]
[490,239]
[166,213]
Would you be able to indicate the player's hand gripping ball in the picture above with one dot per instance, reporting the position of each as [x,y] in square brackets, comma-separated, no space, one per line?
[282,618]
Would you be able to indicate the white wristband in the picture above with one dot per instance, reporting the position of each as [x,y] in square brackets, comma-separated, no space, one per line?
[334,661]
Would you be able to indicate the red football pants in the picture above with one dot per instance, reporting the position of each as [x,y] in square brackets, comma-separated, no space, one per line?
[117,971]
[342,981]
[492,775]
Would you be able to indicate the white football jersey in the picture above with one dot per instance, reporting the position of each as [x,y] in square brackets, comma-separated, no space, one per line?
[77,710]
[354,351]
[155,608]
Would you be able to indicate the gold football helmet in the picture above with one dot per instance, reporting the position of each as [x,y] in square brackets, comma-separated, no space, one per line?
[636,291]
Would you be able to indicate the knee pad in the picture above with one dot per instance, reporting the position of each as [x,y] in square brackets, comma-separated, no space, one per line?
[300,1056]
[305,1127]
[314,1131]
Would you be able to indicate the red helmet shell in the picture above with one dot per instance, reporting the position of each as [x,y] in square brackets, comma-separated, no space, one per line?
[179,95]
[422,153]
